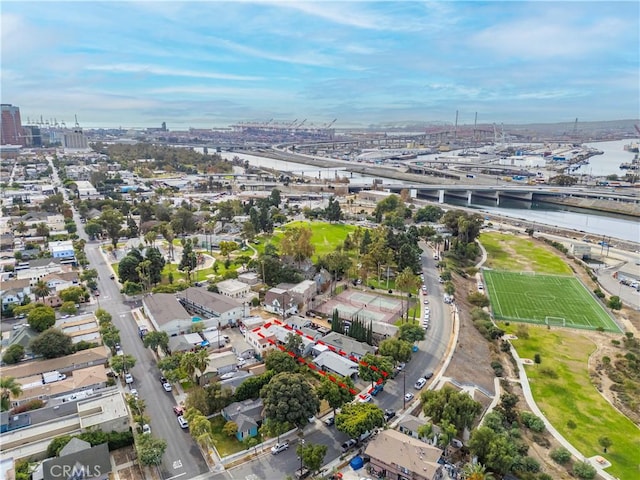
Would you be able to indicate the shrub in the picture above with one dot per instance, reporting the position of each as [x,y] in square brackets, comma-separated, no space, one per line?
[497,368]
[571,424]
[548,372]
[529,464]
[584,470]
[26,407]
[560,455]
[545,476]
[532,422]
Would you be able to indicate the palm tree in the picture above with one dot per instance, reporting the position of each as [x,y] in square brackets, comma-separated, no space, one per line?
[407,281]
[150,238]
[476,472]
[202,360]
[8,386]
[167,233]
[41,290]
[22,228]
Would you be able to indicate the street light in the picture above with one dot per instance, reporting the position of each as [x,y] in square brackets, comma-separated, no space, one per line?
[301,443]
[404,389]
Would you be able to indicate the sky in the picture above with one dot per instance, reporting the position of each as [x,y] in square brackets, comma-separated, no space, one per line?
[206,64]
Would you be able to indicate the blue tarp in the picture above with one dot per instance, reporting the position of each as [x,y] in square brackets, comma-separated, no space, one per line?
[356,463]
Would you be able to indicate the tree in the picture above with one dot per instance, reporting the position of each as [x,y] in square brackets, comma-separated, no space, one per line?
[399,350]
[293,343]
[476,471]
[355,419]
[252,386]
[192,362]
[92,228]
[230,428]
[605,443]
[406,282]
[333,212]
[289,398]
[52,343]
[189,260]
[371,368]
[182,221]
[150,450]
[13,354]
[157,339]
[197,400]
[457,408]
[272,428]
[227,247]
[275,198]
[614,303]
[122,363]
[312,456]
[111,221]
[218,397]
[41,290]
[8,387]
[411,332]
[41,318]
[68,307]
[336,393]
[584,470]
[73,294]
[280,361]
[42,230]
[297,244]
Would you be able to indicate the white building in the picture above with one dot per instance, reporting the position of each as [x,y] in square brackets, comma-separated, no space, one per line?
[86,189]
[233,288]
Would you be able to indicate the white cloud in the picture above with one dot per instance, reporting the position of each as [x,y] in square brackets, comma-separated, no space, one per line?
[163,71]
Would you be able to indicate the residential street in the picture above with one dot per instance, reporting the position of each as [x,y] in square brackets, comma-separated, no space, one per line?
[182,457]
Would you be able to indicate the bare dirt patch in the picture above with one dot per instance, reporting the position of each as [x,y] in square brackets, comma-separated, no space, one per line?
[471,362]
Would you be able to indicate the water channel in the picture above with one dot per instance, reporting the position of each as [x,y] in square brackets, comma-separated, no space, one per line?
[615,226]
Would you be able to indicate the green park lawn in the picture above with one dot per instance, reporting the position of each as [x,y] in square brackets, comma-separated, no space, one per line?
[563,390]
[325,238]
[508,252]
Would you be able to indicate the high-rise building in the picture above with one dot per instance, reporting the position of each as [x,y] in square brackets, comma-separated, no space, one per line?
[11,126]
[75,140]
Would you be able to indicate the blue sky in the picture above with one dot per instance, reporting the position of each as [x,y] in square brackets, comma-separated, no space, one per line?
[212,63]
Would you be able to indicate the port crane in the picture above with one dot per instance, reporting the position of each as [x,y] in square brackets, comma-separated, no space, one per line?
[328,125]
[637,128]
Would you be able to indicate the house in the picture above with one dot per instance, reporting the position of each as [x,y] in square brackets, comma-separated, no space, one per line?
[82,359]
[261,339]
[247,415]
[330,361]
[13,292]
[280,302]
[24,337]
[86,190]
[223,309]
[303,293]
[219,364]
[39,268]
[282,333]
[63,250]
[348,345]
[77,460]
[182,343]
[107,412]
[61,281]
[80,328]
[232,288]
[395,455]
[167,314]
[85,379]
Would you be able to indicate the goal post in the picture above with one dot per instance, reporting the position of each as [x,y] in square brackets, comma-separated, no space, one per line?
[555,321]
[530,274]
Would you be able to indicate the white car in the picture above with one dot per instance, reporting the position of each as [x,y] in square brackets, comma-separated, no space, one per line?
[227,376]
[134,392]
[128,378]
[366,398]
[408,397]
[279,447]
[146,429]
[167,387]
[420,383]
[182,422]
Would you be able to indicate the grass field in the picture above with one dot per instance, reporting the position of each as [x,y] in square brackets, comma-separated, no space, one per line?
[562,388]
[532,298]
[325,238]
[509,252]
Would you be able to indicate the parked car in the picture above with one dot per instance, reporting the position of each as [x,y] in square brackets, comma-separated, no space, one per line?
[279,447]
[146,429]
[348,444]
[128,378]
[408,397]
[112,276]
[183,422]
[420,383]
[165,384]
[330,421]
[302,473]
[389,414]
[178,410]
[377,389]
[365,398]
[428,375]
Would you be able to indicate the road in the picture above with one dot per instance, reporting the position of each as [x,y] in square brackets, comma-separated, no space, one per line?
[182,457]
[431,350]
[268,467]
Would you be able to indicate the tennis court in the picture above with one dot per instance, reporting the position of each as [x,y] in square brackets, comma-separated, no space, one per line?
[366,306]
[545,299]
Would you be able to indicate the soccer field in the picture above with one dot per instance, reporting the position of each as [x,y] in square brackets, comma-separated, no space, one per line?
[524,297]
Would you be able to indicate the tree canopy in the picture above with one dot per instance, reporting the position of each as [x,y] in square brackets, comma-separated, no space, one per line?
[355,419]
[289,398]
[52,343]
[41,318]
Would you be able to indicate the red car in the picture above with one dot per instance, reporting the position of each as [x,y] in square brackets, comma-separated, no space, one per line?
[178,410]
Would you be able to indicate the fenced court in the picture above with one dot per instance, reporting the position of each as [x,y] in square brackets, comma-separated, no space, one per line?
[364,305]
[545,299]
